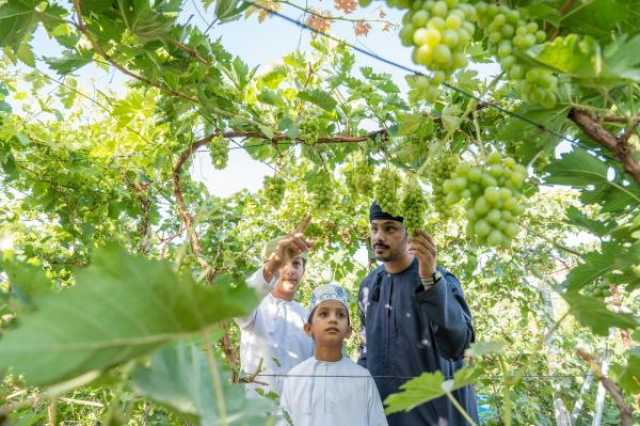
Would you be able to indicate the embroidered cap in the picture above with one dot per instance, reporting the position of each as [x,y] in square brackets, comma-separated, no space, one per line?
[331,291]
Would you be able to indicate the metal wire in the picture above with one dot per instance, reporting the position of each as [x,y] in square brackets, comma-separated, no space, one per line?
[355,376]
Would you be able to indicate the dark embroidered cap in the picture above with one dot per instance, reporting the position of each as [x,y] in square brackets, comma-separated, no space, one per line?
[376,213]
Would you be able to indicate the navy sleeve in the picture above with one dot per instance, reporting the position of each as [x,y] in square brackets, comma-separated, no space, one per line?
[449,313]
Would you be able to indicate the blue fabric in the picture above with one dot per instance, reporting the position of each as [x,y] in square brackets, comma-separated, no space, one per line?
[409,331]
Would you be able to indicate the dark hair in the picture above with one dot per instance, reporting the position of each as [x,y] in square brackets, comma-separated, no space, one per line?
[313,312]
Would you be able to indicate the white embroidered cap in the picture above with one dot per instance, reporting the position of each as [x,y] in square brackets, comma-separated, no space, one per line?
[331,291]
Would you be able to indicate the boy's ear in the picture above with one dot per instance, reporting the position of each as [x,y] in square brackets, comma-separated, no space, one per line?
[307,329]
[349,332]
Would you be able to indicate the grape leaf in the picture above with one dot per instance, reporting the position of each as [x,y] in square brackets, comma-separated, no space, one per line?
[629,377]
[576,217]
[622,58]
[121,307]
[613,257]
[70,61]
[527,139]
[479,349]
[593,313]
[320,98]
[18,21]
[179,377]
[27,283]
[582,170]
[600,18]
[579,57]
[426,387]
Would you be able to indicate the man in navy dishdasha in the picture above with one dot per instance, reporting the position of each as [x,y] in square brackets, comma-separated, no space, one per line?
[414,320]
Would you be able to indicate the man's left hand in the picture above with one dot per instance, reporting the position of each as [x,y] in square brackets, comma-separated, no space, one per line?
[423,247]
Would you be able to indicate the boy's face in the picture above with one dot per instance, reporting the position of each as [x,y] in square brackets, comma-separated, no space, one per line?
[290,275]
[329,324]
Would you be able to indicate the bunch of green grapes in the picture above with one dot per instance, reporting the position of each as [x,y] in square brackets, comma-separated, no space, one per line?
[438,172]
[426,87]
[321,189]
[508,34]
[274,188]
[359,176]
[440,31]
[413,206]
[219,151]
[492,192]
[387,187]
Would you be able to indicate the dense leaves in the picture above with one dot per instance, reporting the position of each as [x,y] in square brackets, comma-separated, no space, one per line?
[120,308]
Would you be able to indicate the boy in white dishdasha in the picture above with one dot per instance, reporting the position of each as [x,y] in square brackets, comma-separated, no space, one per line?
[328,388]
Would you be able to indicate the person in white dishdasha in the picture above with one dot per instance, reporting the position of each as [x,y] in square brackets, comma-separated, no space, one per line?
[329,388]
[272,337]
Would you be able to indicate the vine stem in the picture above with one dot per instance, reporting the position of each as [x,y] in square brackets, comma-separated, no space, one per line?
[462,411]
[217,381]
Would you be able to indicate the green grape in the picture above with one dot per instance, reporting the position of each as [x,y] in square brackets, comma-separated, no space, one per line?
[432,37]
[442,55]
[420,37]
[274,189]
[386,190]
[413,206]
[219,151]
[320,186]
[420,18]
[453,22]
[424,54]
[359,176]
[439,174]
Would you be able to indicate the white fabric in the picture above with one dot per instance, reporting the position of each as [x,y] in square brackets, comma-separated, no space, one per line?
[273,332]
[331,401]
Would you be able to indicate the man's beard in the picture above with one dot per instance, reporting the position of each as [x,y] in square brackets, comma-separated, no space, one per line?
[389,256]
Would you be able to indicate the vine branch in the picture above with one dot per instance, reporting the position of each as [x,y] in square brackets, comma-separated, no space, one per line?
[619,146]
[80,25]
[626,414]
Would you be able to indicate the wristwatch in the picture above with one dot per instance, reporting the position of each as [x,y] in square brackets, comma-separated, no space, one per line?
[427,283]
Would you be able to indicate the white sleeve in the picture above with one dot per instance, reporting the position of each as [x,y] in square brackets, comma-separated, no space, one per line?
[285,406]
[375,408]
[262,287]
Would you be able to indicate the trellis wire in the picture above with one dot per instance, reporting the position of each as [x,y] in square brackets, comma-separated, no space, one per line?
[489,103]
[355,376]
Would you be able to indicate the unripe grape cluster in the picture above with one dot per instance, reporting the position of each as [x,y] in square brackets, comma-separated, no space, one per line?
[439,171]
[492,193]
[321,189]
[359,176]
[387,189]
[219,151]
[440,31]
[413,206]
[274,187]
[508,33]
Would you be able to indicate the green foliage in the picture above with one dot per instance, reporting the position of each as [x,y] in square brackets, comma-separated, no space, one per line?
[427,387]
[120,308]
[594,314]
[180,376]
[76,174]
[582,170]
